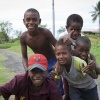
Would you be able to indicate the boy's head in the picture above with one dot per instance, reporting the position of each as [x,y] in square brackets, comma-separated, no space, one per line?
[74,23]
[82,48]
[37,68]
[31,19]
[63,52]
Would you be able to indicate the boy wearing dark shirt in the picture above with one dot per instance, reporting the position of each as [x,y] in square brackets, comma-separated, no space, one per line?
[33,85]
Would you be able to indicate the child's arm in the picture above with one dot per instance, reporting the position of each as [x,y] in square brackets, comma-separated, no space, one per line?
[54,74]
[67,39]
[24,52]
[97,68]
[90,72]
[50,37]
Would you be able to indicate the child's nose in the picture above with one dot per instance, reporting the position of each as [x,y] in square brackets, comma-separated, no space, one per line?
[84,53]
[31,21]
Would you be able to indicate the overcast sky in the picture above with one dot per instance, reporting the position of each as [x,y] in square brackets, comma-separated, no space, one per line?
[13,11]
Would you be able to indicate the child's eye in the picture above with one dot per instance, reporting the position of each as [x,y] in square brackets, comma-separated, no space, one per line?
[71,29]
[64,53]
[81,50]
[28,19]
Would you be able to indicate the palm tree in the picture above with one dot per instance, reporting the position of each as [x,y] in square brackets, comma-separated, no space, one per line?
[96,13]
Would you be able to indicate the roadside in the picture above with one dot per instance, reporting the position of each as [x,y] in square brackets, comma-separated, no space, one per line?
[14,62]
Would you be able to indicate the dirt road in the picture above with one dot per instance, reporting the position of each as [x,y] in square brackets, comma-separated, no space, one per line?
[13,61]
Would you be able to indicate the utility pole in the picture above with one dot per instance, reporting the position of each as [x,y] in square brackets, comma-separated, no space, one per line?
[53,17]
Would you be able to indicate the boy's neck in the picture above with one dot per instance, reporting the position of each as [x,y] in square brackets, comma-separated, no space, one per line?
[35,88]
[68,66]
[35,33]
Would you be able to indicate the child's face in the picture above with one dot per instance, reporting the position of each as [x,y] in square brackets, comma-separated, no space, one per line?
[37,77]
[82,50]
[63,54]
[31,21]
[77,30]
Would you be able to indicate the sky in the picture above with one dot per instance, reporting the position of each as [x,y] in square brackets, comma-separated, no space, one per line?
[13,11]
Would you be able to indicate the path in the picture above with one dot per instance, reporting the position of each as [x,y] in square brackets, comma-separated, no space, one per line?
[15,63]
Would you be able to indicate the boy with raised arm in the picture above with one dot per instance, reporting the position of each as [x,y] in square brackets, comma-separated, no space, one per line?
[81,82]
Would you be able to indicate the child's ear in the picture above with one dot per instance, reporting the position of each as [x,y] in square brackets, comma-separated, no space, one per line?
[39,21]
[23,21]
[72,51]
[74,46]
[66,26]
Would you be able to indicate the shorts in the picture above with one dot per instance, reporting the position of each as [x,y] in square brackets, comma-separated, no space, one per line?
[83,94]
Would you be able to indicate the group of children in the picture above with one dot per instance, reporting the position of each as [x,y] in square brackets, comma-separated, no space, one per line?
[64,67]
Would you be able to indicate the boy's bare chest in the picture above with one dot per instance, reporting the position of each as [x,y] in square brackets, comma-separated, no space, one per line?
[37,42]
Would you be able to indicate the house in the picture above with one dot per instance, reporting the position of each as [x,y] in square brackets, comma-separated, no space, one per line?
[96,31]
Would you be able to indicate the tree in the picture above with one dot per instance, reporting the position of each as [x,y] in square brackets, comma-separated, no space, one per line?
[44,26]
[96,13]
[62,29]
[17,33]
[5,29]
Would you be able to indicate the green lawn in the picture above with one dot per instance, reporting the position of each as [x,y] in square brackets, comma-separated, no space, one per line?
[16,48]
[95,48]
[5,73]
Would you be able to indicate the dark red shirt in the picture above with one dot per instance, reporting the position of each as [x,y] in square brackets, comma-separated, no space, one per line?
[21,87]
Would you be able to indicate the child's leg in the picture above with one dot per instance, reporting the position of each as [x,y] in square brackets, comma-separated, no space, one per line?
[90,94]
[74,93]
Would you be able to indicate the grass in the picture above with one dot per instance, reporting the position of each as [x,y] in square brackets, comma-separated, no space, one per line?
[5,73]
[95,48]
[16,48]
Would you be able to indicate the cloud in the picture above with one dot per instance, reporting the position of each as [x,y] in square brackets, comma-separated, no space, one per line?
[13,10]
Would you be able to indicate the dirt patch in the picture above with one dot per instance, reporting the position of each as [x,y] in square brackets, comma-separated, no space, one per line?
[13,61]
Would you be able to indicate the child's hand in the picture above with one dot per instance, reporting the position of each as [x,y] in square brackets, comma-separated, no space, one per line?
[85,69]
[53,74]
[92,65]
[58,68]
[67,38]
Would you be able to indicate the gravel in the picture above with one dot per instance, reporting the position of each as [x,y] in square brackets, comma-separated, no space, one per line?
[13,61]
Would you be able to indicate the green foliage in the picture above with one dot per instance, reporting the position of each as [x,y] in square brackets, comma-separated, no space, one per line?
[5,74]
[16,48]
[95,48]
[5,29]
[96,13]
[8,45]
[44,26]
[62,29]
[17,33]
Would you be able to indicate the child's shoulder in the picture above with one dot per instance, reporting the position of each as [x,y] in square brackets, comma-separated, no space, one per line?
[50,82]
[24,34]
[21,77]
[78,60]
[52,85]
[78,63]
[44,30]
